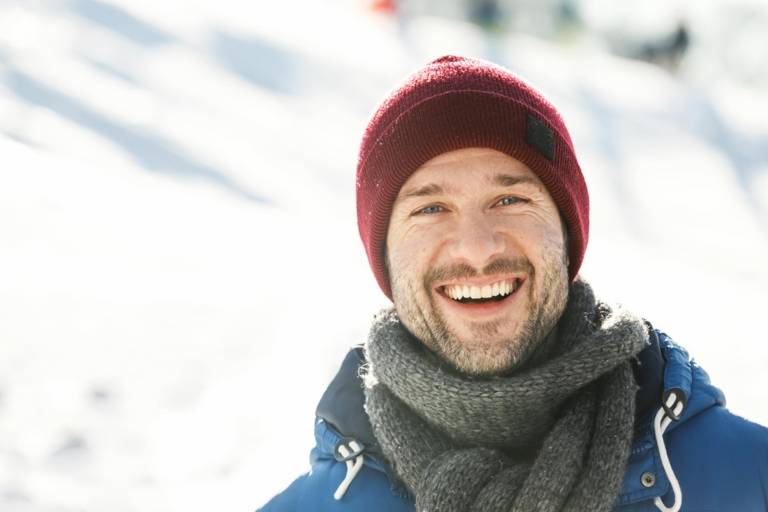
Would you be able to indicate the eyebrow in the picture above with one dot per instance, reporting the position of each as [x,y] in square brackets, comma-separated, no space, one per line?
[433,189]
[509,180]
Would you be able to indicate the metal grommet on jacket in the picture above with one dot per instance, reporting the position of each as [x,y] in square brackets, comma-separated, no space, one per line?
[647,479]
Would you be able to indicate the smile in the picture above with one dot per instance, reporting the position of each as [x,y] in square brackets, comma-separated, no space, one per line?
[466,293]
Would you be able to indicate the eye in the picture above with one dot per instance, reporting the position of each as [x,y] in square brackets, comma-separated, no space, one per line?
[429,210]
[510,200]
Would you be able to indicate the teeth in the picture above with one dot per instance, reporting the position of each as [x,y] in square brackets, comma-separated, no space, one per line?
[458,292]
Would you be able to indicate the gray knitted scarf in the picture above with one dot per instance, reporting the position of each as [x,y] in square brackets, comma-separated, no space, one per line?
[551,437]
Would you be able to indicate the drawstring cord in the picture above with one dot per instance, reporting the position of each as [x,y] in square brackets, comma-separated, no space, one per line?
[671,410]
[354,461]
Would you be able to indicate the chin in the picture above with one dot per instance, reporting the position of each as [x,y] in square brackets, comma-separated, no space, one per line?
[477,358]
[482,367]
[490,335]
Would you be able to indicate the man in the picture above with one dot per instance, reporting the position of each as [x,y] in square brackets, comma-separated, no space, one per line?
[499,382]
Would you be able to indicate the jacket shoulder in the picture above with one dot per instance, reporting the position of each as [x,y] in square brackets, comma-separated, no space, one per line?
[340,420]
[720,458]
[369,491]
[721,461]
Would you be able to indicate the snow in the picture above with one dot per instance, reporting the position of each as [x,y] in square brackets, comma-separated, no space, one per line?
[180,268]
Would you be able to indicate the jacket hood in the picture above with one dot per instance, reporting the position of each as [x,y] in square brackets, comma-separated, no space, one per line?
[690,384]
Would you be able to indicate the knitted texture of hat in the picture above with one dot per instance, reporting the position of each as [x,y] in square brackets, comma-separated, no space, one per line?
[454,103]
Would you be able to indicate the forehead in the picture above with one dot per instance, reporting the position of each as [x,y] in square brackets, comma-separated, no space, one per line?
[467,169]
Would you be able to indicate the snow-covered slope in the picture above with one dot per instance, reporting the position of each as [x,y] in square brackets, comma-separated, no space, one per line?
[179,259]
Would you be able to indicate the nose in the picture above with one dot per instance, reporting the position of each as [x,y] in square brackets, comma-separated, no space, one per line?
[475,241]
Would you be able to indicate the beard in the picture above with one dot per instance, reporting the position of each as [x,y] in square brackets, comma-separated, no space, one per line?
[491,351]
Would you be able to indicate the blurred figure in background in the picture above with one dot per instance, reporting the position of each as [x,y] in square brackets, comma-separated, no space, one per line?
[486,13]
[669,51]
[383,6]
[500,380]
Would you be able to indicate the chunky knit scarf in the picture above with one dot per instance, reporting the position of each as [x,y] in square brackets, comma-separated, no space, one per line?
[551,437]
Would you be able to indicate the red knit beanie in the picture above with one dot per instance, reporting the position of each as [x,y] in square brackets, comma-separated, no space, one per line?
[453,103]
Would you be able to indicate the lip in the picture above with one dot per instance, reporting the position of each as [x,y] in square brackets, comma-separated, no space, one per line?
[486,309]
[481,281]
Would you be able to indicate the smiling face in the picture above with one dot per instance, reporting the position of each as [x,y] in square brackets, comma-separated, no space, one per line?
[477,259]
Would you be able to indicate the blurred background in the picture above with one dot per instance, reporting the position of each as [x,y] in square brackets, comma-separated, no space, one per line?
[180,270]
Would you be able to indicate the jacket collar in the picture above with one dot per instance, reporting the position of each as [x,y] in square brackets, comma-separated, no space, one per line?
[342,405]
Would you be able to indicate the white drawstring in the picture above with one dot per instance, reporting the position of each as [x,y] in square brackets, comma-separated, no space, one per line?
[660,424]
[353,467]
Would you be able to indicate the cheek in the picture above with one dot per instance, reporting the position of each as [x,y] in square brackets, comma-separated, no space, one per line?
[407,271]
[413,250]
[539,241]
[548,240]
[411,264]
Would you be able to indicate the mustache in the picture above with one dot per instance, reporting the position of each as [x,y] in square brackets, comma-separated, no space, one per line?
[463,271]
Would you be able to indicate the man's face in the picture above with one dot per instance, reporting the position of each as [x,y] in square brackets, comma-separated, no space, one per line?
[477,259]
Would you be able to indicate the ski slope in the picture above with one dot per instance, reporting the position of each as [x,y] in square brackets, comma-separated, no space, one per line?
[180,267]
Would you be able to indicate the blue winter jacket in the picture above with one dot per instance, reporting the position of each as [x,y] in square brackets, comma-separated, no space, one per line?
[708,460]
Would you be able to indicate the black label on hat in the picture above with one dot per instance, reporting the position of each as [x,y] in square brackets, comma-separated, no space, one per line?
[540,137]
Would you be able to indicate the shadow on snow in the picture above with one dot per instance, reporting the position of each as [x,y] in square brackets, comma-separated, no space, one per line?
[121,22]
[150,150]
[258,62]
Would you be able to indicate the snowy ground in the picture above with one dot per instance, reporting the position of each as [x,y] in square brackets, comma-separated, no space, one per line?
[179,264]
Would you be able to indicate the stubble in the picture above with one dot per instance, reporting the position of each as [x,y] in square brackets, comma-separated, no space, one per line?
[546,295]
